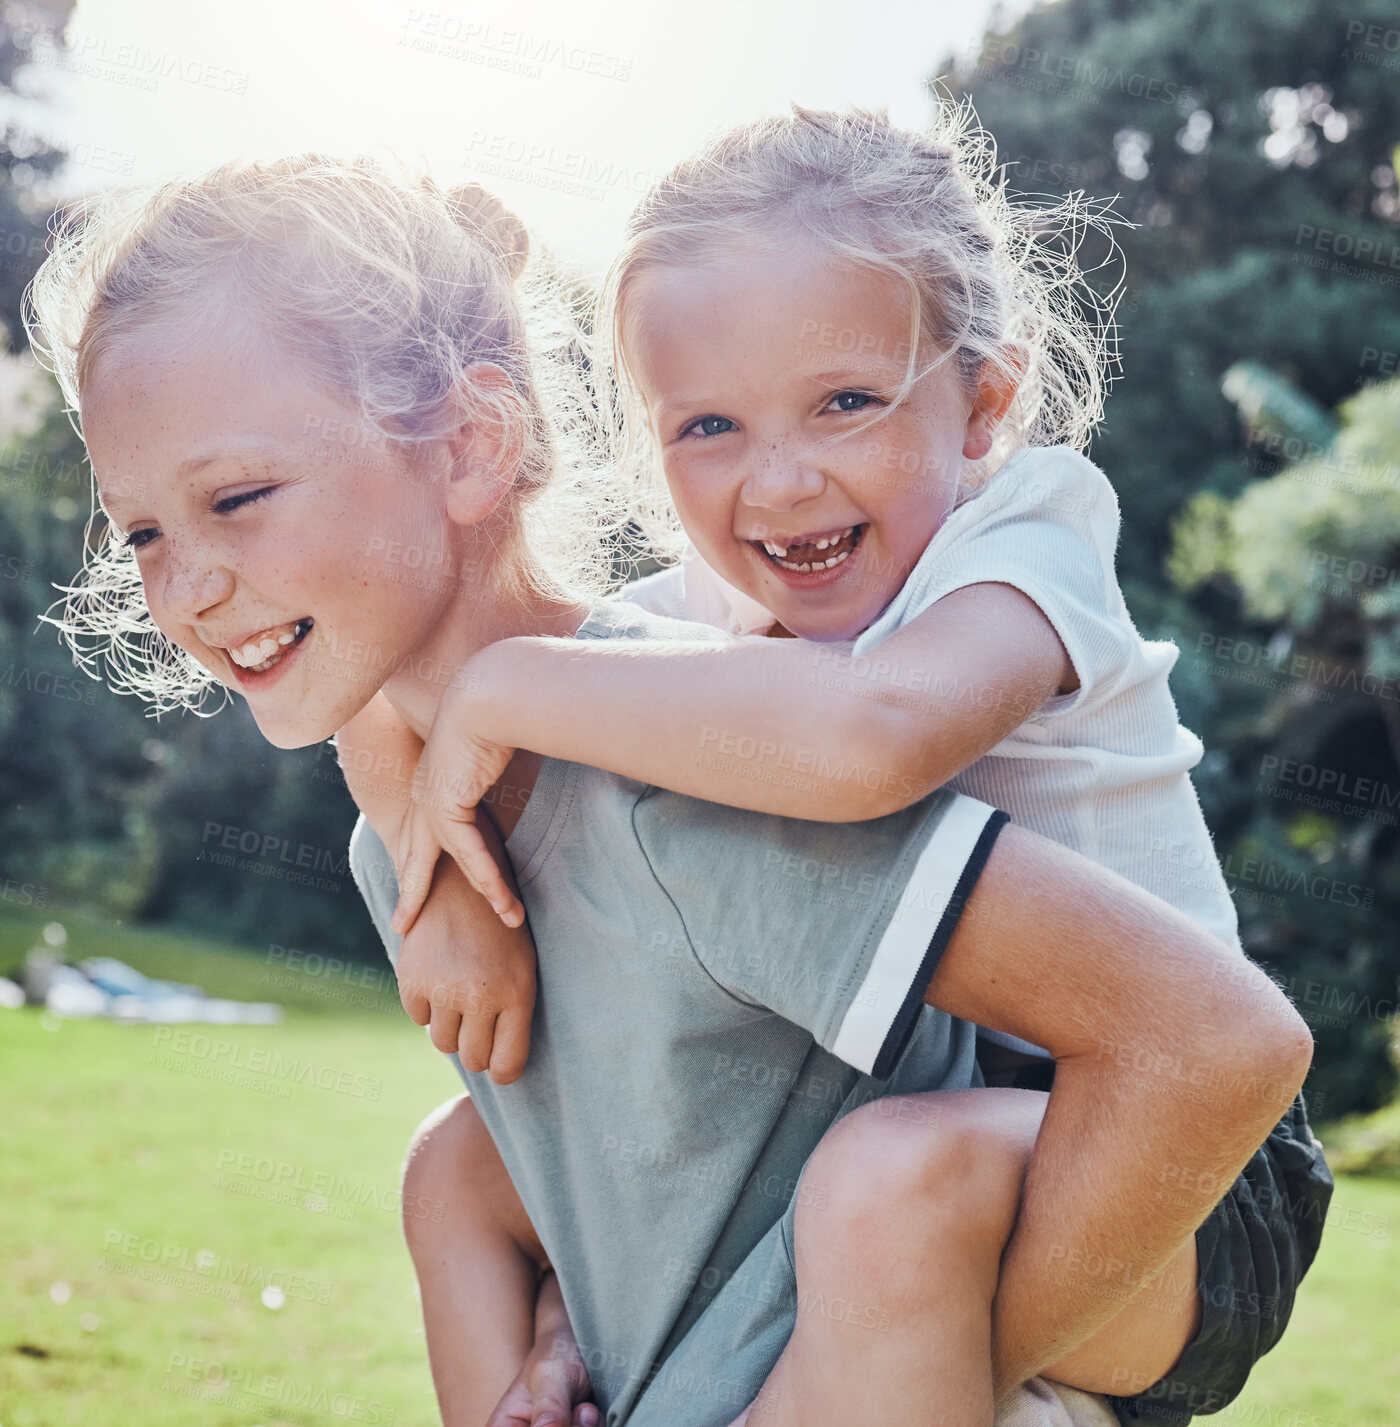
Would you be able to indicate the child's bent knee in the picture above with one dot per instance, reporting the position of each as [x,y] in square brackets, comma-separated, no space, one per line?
[908,1168]
[449,1151]
[455,1185]
[453,1130]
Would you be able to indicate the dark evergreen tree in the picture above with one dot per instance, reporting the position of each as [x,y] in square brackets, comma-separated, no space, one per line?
[1253,146]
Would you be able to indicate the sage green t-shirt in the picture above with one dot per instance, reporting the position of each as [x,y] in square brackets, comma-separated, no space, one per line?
[716,988]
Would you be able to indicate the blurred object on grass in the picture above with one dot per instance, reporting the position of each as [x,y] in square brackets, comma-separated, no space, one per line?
[104,986]
[307,982]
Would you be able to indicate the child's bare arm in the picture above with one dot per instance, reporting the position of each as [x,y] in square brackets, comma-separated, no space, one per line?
[1174,1060]
[460,971]
[782,726]
[378,754]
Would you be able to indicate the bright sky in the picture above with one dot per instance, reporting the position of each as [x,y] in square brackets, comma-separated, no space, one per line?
[566,110]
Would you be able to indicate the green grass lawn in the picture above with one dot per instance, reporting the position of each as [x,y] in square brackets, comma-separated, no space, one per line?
[155,1180]
[1339,1363]
[167,1176]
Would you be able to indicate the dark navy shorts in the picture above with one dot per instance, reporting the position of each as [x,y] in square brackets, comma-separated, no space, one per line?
[1252,1253]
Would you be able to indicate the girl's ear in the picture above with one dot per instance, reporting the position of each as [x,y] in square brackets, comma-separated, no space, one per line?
[997,383]
[485,443]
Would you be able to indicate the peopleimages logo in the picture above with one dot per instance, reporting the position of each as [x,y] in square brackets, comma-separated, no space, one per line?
[217,1057]
[514,51]
[1271,877]
[1333,782]
[217,1267]
[237,1388]
[1004,59]
[269,847]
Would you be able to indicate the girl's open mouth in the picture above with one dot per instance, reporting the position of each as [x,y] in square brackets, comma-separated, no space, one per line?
[263,654]
[812,555]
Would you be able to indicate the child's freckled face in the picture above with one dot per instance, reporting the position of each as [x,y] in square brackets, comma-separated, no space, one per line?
[768,376]
[264,515]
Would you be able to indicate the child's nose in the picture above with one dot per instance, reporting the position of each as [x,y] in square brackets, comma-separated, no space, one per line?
[196,584]
[780,477]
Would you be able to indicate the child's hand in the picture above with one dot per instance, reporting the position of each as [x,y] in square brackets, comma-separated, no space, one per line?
[546,1393]
[470,980]
[454,773]
[551,1386]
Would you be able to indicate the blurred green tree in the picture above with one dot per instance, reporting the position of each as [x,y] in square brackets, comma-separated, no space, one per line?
[26,158]
[1253,146]
[99,805]
[1312,555]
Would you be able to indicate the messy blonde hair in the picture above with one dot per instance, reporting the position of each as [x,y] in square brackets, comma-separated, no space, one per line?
[982,270]
[383,288]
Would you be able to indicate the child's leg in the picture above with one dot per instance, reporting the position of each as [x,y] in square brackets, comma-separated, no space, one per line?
[477,1258]
[1254,1250]
[905,1209]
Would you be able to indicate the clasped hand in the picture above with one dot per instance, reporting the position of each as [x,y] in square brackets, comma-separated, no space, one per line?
[454,774]
[472,986]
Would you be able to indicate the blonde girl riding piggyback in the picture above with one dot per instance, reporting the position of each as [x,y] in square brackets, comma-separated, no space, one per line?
[867,375]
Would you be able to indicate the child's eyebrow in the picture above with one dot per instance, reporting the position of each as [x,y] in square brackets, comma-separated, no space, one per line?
[877,372]
[668,407]
[237,451]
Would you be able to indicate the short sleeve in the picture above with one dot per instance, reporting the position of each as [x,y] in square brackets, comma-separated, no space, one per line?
[837,927]
[373,871]
[1047,524]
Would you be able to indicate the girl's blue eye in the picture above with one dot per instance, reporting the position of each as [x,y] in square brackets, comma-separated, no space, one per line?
[710,426]
[233,502]
[134,540]
[852,400]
